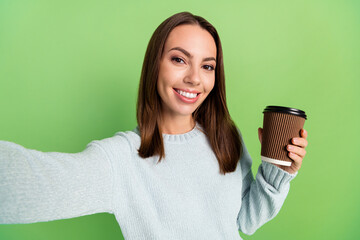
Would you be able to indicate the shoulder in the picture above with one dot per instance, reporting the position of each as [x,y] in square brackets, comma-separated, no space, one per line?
[121,143]
[131,137]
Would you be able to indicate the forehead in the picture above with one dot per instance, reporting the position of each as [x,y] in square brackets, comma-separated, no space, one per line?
[192,38]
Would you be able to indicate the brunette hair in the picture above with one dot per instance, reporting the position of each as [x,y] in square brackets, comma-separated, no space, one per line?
[212,114]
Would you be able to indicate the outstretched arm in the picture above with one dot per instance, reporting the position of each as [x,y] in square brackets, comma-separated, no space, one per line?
[40,186]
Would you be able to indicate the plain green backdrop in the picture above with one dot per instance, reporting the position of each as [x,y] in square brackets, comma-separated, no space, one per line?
[69,73]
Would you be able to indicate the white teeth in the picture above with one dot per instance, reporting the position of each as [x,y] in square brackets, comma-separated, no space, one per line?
[186,94]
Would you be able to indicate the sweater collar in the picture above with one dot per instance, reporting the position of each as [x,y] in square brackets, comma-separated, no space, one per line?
[183,137]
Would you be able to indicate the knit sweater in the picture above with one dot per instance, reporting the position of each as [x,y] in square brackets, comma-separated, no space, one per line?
[182,197]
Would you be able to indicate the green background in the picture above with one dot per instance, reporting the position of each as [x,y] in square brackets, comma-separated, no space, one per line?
[69,72]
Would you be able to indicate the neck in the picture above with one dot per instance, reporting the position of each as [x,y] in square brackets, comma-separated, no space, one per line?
[177,125]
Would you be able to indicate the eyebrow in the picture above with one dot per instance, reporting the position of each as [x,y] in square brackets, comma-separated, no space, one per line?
[189,55]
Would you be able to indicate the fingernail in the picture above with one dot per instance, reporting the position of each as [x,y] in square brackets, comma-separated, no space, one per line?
[295,140]
[289,147]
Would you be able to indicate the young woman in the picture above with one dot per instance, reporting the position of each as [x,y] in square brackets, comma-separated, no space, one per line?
[182,173]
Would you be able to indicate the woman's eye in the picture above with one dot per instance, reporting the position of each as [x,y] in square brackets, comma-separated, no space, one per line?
[209,67]
[176,59]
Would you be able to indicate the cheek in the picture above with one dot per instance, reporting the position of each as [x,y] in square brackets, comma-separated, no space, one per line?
[164,78]
[161,88]
[210,85]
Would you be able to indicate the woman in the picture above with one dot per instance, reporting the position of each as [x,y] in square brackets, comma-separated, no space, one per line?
[183,173]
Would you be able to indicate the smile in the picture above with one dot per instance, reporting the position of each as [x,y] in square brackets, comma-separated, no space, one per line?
[188,97]
[186,94]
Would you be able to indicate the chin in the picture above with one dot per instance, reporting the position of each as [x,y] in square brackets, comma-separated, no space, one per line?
[186,112]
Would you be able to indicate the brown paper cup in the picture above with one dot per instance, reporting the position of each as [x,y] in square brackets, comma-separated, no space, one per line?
[280,125]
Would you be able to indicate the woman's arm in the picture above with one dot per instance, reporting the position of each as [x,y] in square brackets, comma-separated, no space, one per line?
[40,186]
[262,197]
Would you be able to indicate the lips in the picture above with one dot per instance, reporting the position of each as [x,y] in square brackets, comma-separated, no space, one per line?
[188,99]
[187,90]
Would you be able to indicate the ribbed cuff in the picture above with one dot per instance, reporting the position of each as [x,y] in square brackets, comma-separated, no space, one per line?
[275,176]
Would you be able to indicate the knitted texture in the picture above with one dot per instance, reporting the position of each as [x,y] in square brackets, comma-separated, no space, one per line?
[182,197]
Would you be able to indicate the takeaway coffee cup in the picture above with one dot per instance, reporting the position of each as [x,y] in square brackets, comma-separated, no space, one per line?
[280,125]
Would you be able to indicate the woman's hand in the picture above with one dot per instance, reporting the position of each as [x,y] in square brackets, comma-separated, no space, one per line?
[296,152]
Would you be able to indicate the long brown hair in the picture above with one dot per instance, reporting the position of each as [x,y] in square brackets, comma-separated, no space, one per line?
[212,114]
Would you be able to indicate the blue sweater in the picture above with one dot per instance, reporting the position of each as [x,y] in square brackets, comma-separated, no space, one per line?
[182,197]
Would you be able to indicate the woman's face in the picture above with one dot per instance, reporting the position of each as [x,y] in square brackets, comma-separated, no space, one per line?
[187,70]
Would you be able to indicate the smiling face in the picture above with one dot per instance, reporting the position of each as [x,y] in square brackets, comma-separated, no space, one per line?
[187,70]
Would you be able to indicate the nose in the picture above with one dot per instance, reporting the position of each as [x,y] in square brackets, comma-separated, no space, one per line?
[193,76]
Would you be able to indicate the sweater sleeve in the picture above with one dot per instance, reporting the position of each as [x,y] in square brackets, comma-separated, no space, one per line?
[263,196]
[40,186]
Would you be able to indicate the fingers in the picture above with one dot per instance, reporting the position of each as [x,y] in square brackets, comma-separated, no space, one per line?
[301,152]
[297,161]
[297,151]
[303,133]
[302,142]
[260,134]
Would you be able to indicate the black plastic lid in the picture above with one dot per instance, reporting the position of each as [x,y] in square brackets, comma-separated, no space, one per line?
[287,110]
